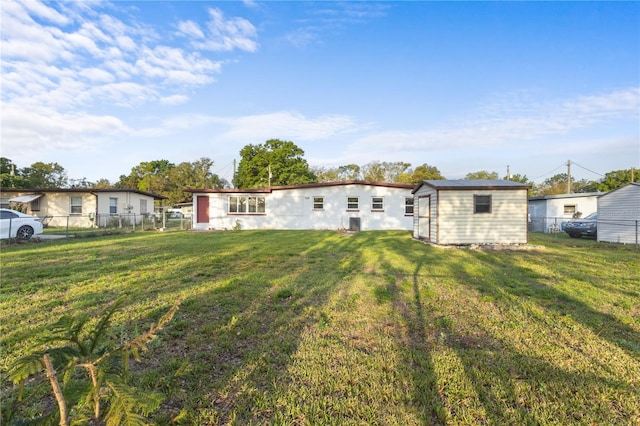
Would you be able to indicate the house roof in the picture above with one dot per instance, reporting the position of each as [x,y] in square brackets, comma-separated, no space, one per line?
[81,190]
[464,184]
[561,196]
[304,185]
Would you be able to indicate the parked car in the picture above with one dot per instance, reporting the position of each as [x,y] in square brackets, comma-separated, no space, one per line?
[15,224]
[587,227]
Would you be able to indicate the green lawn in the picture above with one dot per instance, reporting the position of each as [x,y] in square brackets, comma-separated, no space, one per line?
[316,327]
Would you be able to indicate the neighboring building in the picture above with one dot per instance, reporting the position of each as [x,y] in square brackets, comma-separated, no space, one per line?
[353,205]
[619,215]
[80,207]
[549,213]
[460,212]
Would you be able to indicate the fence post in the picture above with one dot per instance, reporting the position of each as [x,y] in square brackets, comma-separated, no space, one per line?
[67,226]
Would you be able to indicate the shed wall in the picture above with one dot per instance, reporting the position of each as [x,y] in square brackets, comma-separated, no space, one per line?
[619,215]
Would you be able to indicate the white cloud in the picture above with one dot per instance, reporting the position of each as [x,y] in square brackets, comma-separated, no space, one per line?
[500,124]
[228,34]
[174,100]
[190,29]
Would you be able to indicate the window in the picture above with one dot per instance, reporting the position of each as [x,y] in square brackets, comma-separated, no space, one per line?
[352,203]
[76,205]
[143,207]
[35,205]
[377,203]
[482,203]
[247,204]
[570,209]
[408,206]
[113,206]
[318,203]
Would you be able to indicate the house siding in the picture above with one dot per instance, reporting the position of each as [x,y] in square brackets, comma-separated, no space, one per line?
[619,215]
[292,208]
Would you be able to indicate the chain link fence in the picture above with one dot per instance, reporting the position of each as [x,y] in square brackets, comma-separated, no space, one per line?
[624,231]
[102,224]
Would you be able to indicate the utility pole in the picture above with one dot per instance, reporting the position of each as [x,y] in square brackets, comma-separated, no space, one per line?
[568,176]
[270,175]
[508,173]
[233,178]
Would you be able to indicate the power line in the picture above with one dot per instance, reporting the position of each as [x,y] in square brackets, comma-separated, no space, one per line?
[560,166]
[583,167]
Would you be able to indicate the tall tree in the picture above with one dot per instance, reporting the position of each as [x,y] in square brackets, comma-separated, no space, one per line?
[373,172]
[11,175]
[325,174]
[425,172]
[617,178]
[349,172]
[149,176]
[273,163]
[45,175]
[187,175]
[557,184]
[481,175]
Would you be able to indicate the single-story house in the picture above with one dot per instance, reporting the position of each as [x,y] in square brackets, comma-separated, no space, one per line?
[80,207]
[353,205]
[464,212]
[619,215]
[548,213]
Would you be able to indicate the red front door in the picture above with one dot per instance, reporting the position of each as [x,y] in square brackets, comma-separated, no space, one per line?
[203,209]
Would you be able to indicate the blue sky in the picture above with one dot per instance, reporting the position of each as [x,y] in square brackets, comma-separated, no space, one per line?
[99,87]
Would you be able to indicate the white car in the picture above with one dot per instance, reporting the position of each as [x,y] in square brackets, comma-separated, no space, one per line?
[14,224]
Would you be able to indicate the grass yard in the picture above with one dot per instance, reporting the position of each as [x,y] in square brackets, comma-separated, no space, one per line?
[316,327]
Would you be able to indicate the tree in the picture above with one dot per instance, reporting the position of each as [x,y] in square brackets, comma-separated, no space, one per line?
[10,175]
[482,175]
[324,174]
[45,175]
[425,172]
[557,184]
[275,162]
[103,184]
[519,178]
[349,172]
[373,172]
[196,174]
[617,178]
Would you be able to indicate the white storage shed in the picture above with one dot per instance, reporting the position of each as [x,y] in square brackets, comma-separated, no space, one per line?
[463,212]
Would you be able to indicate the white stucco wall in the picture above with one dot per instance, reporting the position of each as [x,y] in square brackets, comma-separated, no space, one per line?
[293,209]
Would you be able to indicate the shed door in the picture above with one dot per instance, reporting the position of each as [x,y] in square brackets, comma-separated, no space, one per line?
[203,209]
[424,217]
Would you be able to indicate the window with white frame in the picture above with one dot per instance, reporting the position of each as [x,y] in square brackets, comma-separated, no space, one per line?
[143,207]
[247,204]
[482,203]
[113,206]
[377,203]
[408,206]
[318,203]
[570,209]
[353,203]
[75,205]
[35,205]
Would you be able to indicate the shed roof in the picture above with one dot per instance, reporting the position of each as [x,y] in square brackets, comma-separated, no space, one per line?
[464,184]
